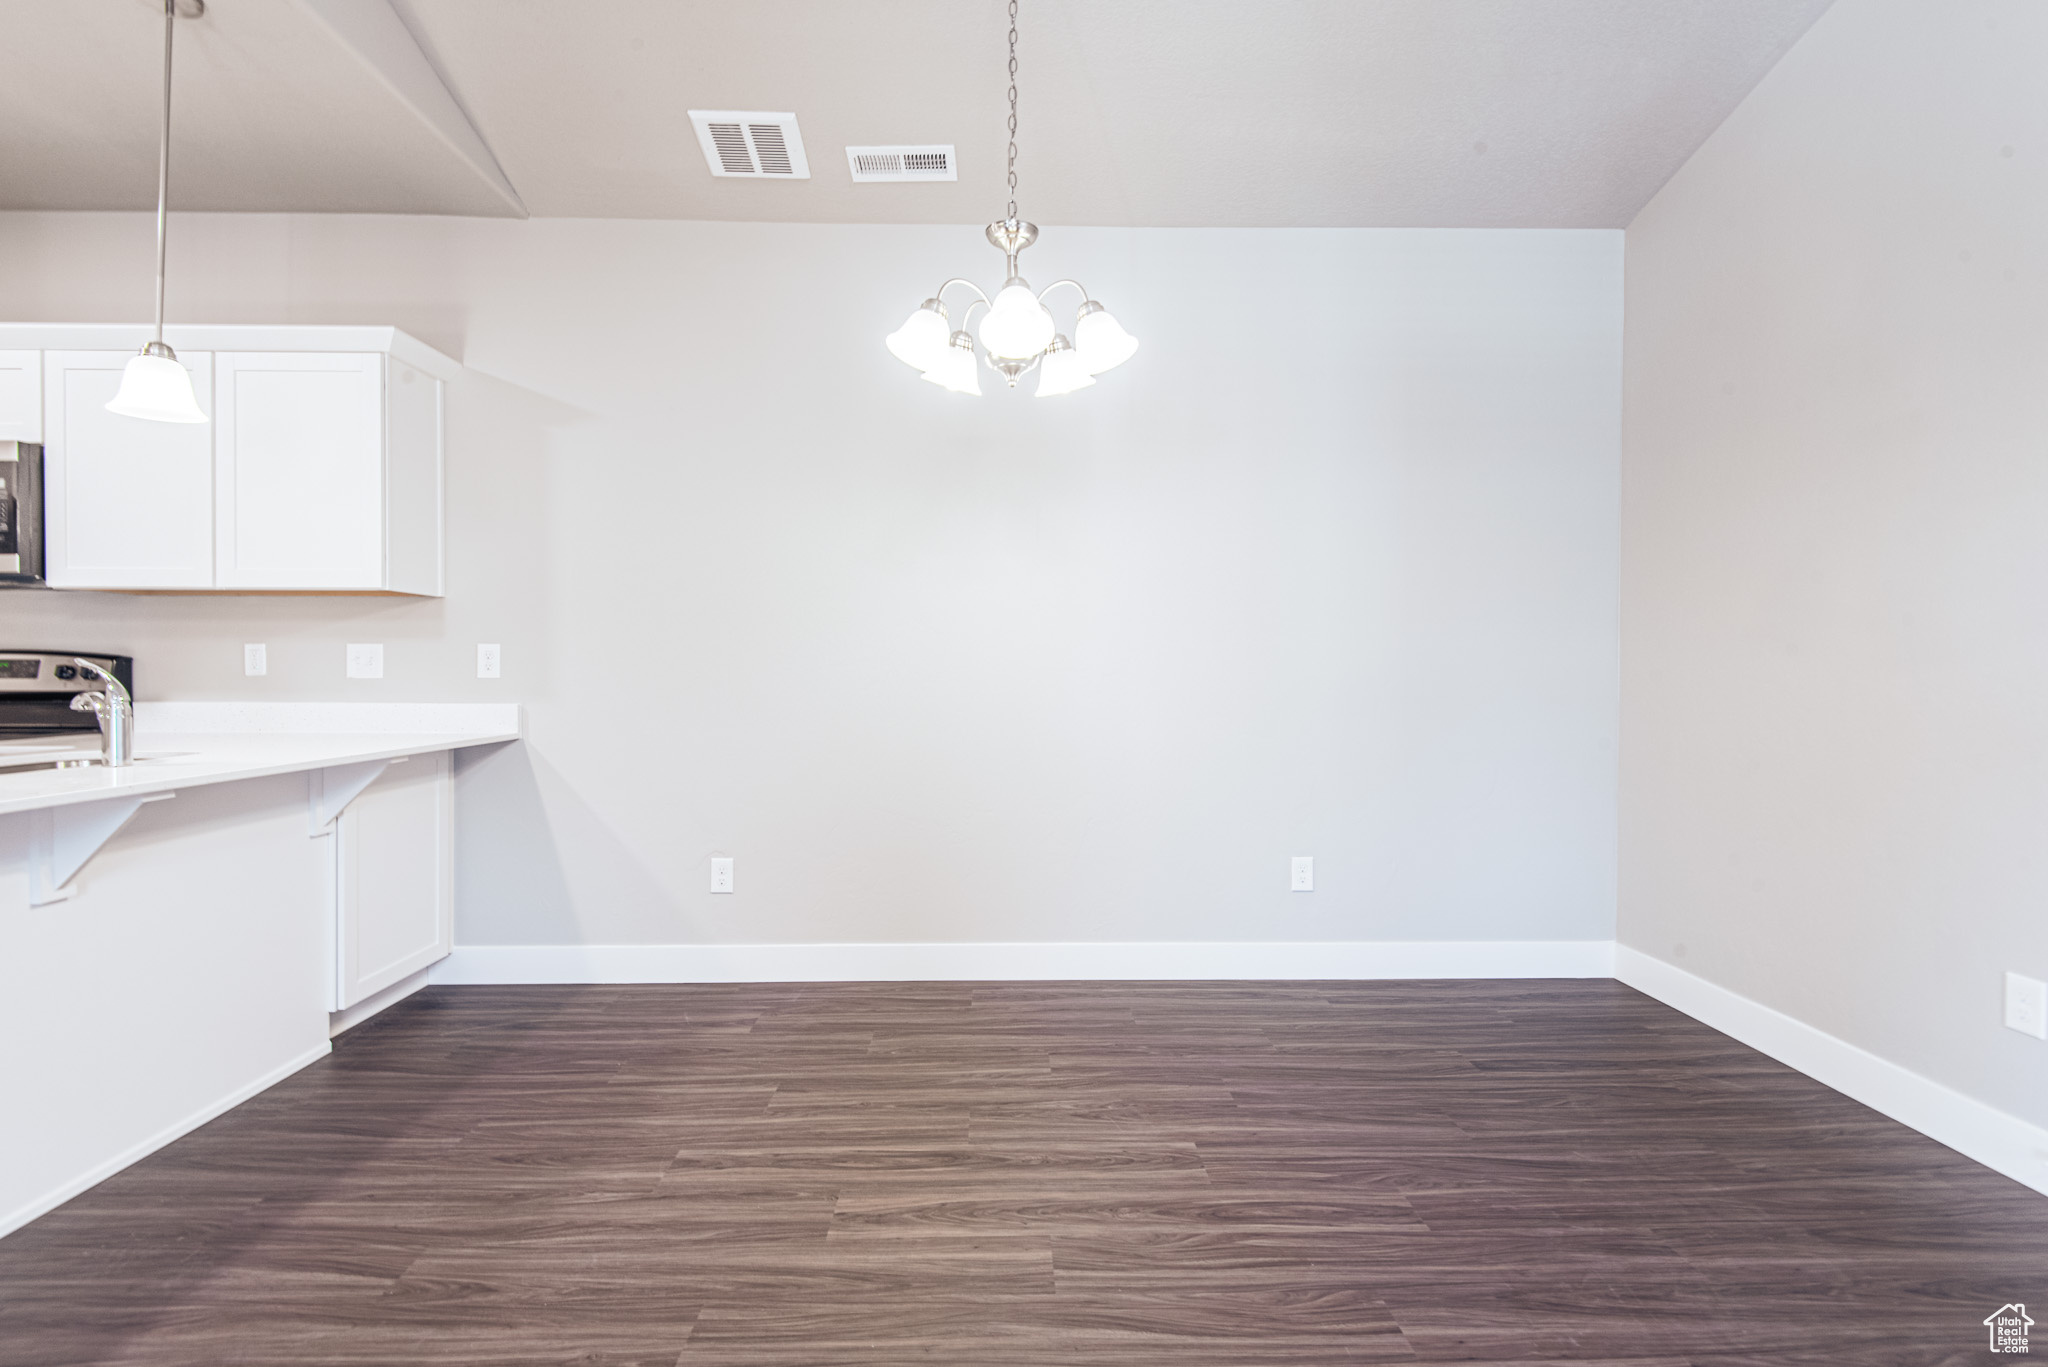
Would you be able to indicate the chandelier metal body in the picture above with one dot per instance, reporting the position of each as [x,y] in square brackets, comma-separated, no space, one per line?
[1018,334]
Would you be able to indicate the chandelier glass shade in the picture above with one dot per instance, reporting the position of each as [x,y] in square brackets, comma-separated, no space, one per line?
[1062,371]
[921,342]
[1101,340]
[1016,326]
[1018,332]
[954,367]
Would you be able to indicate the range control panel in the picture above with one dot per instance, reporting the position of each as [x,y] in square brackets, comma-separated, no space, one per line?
[23,671]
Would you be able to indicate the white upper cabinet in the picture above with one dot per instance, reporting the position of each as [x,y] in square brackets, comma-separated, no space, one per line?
[128,503]
[299,470]
[21,396]
[321,470]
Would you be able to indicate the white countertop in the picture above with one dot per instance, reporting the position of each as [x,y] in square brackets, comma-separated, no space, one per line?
[187,744]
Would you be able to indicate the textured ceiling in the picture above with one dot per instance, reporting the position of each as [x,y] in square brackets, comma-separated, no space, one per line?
[1340,113]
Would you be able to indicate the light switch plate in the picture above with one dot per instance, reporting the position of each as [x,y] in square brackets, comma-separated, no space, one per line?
[1304,874]
[721,875]
[365,661]
[255,660]
[2026,1005]
[487,662]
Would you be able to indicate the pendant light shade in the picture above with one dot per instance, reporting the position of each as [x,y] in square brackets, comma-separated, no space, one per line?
[1101,340]
[921,342]
[1062,371]
[155,386]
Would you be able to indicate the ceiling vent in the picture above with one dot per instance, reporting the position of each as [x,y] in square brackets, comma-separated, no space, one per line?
[931,162]
[755,145]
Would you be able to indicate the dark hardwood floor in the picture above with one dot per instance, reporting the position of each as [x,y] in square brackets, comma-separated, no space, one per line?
[989,1175]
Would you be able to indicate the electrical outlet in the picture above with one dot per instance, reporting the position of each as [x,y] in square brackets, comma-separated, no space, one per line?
[487,662]
[1304,874]
[2026,1005]
[365,661]
[721,875]
[255,660]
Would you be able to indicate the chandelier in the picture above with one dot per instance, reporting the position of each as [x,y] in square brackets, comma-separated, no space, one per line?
[1018,334]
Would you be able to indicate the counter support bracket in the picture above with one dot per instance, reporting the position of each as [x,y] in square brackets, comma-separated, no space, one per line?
[63,840]
[330,790]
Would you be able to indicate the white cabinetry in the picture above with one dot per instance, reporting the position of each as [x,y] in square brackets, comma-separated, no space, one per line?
[394,884]
[128,503]
[327,473]
[21,396]
[320,470]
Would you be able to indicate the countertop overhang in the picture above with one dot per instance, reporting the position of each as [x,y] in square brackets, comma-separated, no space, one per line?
[190,744]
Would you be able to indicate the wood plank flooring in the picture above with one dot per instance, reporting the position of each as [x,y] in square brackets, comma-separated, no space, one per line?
[996,1175]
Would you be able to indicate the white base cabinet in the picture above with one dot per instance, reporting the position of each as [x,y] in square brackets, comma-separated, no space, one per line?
[394,877]
[319,470]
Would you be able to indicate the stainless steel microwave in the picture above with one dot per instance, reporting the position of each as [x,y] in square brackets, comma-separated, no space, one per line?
[21,514]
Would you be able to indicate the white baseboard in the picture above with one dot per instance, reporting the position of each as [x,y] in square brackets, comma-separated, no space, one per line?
[2004,1143]
[994,962]
[50,1200]
[349,1017]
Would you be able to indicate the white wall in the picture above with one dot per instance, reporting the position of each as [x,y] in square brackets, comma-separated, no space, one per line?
[1835,544]
[1328,569]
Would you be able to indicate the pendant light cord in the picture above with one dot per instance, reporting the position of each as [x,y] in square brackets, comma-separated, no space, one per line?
[163,166]
[1013,106]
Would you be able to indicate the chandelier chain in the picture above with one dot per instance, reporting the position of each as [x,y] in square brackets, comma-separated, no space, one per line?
[1013,110]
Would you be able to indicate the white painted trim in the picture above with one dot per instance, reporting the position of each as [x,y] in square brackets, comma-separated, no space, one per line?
[995,962]
[327,718]
[350,1017]
[49,1201]
[2004,1143]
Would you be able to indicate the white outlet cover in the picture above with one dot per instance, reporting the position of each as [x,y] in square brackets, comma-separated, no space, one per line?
[721,875]
[365,661]
[255,660]
[2026,1005]
[1304,875]
[488,661]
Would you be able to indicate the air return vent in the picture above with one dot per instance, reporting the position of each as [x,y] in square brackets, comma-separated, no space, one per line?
[758,146]
[929,162]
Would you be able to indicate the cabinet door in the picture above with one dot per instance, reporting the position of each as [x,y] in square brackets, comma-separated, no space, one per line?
[128,503]
[395,883]
[300,494]
[21,396]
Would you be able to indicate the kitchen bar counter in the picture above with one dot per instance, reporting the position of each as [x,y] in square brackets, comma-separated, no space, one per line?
[186,745]
[164,960]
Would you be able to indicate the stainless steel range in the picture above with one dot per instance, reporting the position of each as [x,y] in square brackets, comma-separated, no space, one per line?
[37,686]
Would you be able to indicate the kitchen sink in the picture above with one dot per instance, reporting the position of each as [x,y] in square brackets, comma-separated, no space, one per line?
[34,761]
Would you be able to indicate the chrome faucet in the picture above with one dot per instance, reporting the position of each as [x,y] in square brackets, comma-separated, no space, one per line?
[115,712]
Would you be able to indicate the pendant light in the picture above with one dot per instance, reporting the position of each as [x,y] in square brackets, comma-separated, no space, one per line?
[1018,333]
[153,384]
